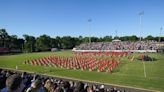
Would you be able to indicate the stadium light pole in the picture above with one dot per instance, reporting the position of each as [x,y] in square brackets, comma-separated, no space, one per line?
[160,34]
[141,14]
[116,33]
[89,22]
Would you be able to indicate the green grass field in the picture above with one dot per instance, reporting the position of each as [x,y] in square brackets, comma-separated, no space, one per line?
[127,73]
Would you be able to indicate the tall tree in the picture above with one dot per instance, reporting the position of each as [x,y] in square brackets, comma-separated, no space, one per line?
[13,42]
[20,43]
[85,40]
[3,37]
[54,43]
[129,38]
[43,43]
[68,42]
[133,38]
[59,42]
[95,39]
[107,38]
[149,37]
[29,45]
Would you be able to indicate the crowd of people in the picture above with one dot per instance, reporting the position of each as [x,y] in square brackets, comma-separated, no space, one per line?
[119,45]
[14,81]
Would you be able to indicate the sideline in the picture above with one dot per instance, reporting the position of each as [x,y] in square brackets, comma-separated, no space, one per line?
[139,76]
[68,78]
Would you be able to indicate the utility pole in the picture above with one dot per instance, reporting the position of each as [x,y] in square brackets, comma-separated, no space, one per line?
[141,27]
[116,34]
[141,14]
[89,22]
[160,34]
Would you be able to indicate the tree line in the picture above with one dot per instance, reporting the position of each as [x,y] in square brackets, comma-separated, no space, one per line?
[44,42]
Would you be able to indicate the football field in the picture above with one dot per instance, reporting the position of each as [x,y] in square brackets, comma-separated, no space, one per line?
[127,73]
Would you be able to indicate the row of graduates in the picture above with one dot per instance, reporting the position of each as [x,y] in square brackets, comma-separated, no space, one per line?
[101,53]
[77,62]
[129,55]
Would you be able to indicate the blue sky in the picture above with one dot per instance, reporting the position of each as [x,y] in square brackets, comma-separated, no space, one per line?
[70,17]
